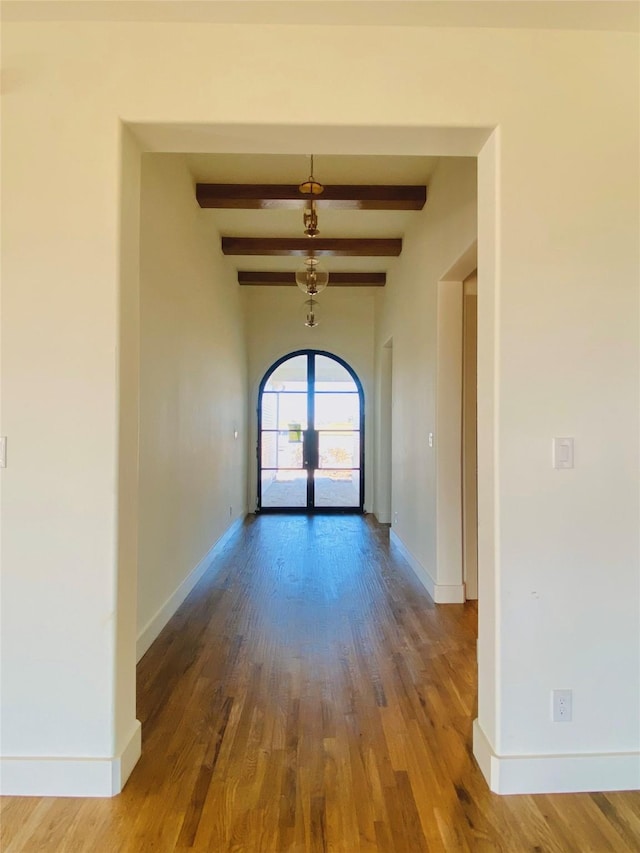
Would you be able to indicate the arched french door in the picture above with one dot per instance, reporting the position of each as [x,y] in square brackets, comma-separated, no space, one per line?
[310,435]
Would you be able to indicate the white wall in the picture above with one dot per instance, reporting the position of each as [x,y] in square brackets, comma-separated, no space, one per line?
[275,326]
[408,311]
[383,435]
[60,336]
[557,344]
[192,390]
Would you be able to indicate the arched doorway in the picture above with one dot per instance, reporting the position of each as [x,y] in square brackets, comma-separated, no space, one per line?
[310,435]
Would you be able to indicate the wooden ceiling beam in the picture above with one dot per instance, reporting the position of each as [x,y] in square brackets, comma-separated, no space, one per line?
[312,246]
[339,279]
[288,196]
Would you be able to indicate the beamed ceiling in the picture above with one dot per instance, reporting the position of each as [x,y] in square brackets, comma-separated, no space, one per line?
[255,211]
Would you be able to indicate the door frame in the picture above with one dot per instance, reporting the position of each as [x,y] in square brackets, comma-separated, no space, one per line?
[450,586]
[309,509]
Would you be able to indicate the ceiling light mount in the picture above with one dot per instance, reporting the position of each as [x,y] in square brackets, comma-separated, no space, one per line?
[311,187]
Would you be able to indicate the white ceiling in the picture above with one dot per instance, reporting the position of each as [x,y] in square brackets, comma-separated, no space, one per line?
[620,15]
[294,168]
[328,169]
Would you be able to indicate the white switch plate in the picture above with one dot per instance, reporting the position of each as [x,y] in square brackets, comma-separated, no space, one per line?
[563,452]
[3,451]
[430,439]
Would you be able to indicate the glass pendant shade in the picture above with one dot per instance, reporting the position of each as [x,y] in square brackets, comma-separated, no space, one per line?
[312,280]
[311,313]
[311,221]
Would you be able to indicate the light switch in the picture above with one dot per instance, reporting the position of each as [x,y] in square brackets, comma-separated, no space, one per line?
[3,451]
[563,453]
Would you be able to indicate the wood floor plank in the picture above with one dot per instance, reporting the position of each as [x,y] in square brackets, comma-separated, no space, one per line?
[310,697]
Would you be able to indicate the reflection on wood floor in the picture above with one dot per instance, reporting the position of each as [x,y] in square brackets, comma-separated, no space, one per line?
[310,697]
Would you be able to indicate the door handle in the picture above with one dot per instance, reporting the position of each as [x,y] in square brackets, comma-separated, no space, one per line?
[310,449]
[306,442]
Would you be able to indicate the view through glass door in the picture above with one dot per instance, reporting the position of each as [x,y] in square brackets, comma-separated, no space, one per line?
[310,436]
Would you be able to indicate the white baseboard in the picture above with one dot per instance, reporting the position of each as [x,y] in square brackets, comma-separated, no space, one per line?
[555,774]
[70,777]
[152,629]
[128,758]
[440,593]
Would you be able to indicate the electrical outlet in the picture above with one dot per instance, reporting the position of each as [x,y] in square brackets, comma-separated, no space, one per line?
[562,702]
[395,517]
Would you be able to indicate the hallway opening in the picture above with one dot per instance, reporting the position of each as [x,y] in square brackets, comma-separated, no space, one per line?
[297,469]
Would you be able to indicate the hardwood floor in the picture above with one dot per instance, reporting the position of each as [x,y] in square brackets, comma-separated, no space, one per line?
[310,697]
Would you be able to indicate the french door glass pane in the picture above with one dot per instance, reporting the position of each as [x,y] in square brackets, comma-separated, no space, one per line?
[291,375]
[337,488]
[284,410]
[337,411]
[279,451]
[284,488]
[339,449]
[284,418]
[332,376]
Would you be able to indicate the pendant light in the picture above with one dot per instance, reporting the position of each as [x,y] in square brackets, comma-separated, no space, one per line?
[312,279]
[311,188]
[311,313]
